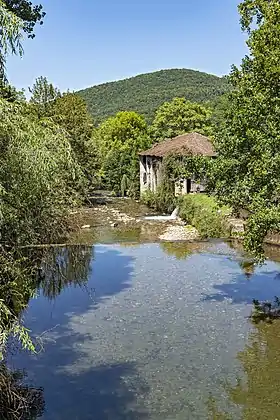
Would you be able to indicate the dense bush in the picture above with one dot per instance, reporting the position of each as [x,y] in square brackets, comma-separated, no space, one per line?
[203,212]
[162,201]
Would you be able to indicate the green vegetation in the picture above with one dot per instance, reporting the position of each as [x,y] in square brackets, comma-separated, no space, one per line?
[246,174]
[203,212]
[178,117]
[119,140]
[42,176]
[146,92]
[43,96]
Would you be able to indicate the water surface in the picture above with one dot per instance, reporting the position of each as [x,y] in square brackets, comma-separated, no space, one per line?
[154,331]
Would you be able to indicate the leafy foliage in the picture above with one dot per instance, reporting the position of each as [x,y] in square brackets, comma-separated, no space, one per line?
[29,14]
[70,112]
[11,28]
[247,171]
[119,140]
[178,117]
[203,212]
[38,174]
[15,291]
[146,92]
[43,95]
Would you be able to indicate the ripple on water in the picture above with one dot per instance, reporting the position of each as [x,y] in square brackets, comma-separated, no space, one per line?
[160,337]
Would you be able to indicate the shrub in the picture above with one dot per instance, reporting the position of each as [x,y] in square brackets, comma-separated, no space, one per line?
[161,200]
[203,212]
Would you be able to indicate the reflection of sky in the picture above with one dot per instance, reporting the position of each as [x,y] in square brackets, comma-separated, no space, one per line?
[157,336]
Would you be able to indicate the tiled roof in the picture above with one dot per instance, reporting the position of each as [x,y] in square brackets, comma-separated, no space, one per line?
[185,144]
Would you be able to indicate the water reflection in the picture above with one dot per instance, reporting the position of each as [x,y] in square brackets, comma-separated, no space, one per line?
[18,400]
[181,250]
[248,267]
[259,395]
[64,266]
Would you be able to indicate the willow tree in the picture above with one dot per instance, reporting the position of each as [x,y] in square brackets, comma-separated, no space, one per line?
[11,33]
[247,171]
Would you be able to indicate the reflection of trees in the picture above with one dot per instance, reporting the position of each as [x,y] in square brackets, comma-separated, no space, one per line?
[248,267]
[18,400]
[64,266]
[180,250]
[259,395]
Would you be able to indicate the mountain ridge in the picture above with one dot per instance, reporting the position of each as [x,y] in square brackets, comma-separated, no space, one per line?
[144,93]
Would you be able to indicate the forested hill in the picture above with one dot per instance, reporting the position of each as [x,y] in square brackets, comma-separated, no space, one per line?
[146,92]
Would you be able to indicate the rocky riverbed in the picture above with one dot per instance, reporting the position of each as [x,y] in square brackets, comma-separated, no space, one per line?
[116,219]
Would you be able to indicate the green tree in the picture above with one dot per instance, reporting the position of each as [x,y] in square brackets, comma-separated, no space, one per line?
[43,96]
[178,117]
[11,29]
[119,140]
[38,175]
[70,112]
[247,171]
[28,13]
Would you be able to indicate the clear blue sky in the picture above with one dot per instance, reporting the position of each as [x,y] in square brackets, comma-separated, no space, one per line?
[87,42]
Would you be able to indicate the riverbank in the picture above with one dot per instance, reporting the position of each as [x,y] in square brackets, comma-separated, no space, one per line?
[110,219]
[119,219]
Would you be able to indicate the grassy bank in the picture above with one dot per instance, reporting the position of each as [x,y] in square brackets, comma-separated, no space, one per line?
[199,210]
[203,212]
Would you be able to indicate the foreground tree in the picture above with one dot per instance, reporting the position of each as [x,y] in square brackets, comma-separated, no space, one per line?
[28,13]
[16,17]
[178,117]
[11,30]
[247,172]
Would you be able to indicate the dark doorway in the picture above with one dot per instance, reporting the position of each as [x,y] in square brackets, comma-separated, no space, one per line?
[189,185]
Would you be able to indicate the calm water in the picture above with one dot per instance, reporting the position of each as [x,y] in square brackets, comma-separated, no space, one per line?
[154,332]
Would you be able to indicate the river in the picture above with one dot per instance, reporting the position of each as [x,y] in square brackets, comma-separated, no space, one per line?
[154,331]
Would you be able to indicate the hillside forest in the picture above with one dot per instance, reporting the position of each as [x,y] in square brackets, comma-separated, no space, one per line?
[58,147]
[146,92]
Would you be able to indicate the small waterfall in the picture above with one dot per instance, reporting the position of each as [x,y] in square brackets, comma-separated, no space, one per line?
[173,216]
[175,213]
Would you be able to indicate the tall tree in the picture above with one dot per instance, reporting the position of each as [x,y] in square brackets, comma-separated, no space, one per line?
[71,113]
[178,117]
[247,172]
[119,139]
[43,95]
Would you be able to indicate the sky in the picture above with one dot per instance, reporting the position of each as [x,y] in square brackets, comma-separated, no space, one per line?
[83,43]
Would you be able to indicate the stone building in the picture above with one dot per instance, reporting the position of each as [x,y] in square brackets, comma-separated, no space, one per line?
[186,144]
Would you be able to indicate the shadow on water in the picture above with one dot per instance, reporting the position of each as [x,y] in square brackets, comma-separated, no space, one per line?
[91,391]
[245,287]
[259,395]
